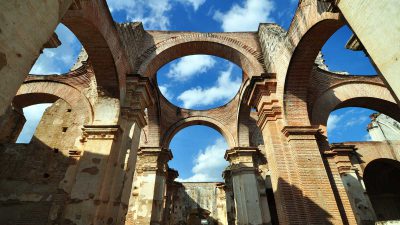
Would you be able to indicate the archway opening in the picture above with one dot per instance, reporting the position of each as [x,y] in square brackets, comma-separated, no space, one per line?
[33,114]
[199,82]
[59,59]
[198,154]
[355,124]
[382,181]
[344,55]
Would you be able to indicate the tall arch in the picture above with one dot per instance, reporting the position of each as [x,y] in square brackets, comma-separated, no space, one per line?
[197,120]
[36,92]
[250,60]
[382,181]
[308,36]
[93,25]
[353,94]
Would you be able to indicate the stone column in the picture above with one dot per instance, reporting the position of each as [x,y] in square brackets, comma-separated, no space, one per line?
[152,176]
[132,120]
[245,185]
[169,195]
[98,147]
[302,190]
[341,154]
[230,201]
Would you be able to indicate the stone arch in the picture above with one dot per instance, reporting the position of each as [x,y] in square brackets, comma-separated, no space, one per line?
[197,120]
[36,92]
[250,60]
[382,181]
[356,94]
[94,27]
[308,37]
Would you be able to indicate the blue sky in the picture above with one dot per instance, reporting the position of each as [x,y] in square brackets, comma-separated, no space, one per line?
[203,82]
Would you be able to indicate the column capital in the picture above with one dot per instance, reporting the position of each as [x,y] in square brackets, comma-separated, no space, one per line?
[342,156]
[242,158]
[139,95]
[100,132]
[153,159]
[262,96]
[300,132]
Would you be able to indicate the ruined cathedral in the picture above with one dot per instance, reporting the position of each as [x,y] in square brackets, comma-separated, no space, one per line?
[100,153]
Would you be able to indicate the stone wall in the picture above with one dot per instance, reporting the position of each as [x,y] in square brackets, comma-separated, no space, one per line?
[199,199]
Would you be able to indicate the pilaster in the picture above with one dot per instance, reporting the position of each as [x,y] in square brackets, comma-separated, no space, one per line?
[361,208]
[151,174]
[244,172]
[93,173]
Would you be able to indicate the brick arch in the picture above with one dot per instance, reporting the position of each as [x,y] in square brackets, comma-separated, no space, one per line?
[94,27]
[198,120]
[307,35]
[354,94]
[250,60]
[37,92]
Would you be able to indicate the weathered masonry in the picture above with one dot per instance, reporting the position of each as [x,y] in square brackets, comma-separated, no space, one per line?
[100,153]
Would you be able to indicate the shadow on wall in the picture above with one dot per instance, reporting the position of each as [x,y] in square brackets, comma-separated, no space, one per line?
[302,204]
[30,175]
[187,211]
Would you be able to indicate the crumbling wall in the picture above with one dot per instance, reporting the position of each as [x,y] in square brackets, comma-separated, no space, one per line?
[196,199]
[32,176]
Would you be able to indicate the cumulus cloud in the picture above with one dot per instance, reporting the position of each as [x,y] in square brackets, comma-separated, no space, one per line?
[246,17]
[189,66]
[209,163]
[225,89]
[154,14]
[333,122]
[58,60]
[33,115]
[166,92]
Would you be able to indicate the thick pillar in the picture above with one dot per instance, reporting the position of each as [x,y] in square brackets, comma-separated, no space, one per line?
[152,176]
[98,154]
[245,185]
[132,120]
[302,189]
[169,195]
[26,27]
[341,154]
[376,25]
[230,200]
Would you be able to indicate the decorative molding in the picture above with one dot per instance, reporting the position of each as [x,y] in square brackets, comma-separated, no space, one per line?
[100,132]
[153,159]
[262,95]
[301,132]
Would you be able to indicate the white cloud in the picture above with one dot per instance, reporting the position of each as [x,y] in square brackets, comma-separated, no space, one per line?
[356,120]
[58,60]
[209,163]
[153,13]
[33,115]
[195,3]
[333,122]
[225,89]
[165,91]
[246,17]
[190,66]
